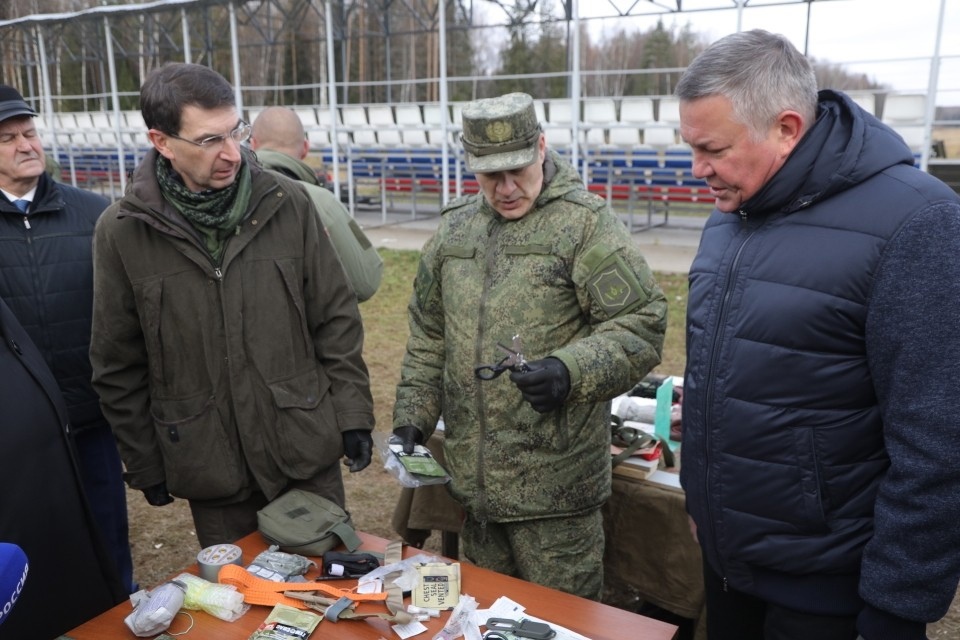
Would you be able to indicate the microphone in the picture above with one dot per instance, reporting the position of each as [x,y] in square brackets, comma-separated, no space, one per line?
[13,573]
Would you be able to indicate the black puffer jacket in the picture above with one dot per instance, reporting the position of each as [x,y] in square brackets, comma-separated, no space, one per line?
[46,275]
[820,457]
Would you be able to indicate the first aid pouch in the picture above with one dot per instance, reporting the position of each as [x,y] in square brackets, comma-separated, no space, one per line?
[306,524]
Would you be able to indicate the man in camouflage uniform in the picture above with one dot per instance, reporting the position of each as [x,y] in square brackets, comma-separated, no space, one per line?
[533,255]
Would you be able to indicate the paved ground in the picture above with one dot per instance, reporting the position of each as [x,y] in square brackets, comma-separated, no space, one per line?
[668,247]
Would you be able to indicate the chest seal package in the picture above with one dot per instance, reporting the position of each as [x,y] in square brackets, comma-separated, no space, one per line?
[306,524]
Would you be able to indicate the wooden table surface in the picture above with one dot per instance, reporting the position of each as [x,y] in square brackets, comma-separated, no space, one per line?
[588,618]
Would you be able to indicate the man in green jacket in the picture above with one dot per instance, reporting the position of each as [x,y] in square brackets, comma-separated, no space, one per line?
[533,255]
[281,145]
[227,341]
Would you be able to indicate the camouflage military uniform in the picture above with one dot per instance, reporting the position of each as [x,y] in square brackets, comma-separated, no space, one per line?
[569,280]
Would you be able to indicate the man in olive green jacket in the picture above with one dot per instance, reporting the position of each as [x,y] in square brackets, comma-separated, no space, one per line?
[226,341]
[281,145]
[533,255]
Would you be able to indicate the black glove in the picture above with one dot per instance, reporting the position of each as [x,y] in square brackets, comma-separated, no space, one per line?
[409,437]
[357,447]
[157,495]
[545,386]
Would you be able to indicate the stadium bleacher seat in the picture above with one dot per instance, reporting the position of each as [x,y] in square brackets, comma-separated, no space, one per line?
[624,135]
[636,110]
[539,107]
[136,129]
[866,99]
[104,128]
[560,112]
[326,117]
[307,115]
[659,135]
[558,136]
[668,111]
[381,119]
[905,113]
[599,114]
[456,112]
[410,121]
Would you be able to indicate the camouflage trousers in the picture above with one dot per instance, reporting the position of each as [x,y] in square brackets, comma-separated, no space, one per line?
[561,553]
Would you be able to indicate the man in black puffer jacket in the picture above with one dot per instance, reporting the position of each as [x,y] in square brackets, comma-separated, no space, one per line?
[820,454]
[46,277]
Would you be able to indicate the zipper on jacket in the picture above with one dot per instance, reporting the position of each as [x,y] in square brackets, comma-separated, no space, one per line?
[26,222]
[218,273]
[478,353]
[708,395]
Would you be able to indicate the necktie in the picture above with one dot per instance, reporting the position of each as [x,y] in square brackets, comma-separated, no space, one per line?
[22,204]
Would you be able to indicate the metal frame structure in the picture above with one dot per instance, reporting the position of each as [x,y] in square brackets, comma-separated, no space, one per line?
[238,38]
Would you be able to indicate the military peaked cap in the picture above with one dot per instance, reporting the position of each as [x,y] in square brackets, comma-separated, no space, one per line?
[500,134]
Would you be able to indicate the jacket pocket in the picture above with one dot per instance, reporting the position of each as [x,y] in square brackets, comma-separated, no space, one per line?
[812,514]
[198,459]
[307,437]
[150,301]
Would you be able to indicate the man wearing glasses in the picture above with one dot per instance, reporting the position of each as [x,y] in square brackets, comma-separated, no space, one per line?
[226,338]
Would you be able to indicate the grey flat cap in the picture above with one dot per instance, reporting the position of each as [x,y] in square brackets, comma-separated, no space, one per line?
[500,134]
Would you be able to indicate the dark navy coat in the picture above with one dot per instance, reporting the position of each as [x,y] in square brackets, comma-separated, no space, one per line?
[820,455]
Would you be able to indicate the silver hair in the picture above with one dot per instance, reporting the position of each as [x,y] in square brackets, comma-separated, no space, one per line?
[761,73]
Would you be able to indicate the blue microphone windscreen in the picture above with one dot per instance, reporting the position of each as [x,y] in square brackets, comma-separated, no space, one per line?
[13,573]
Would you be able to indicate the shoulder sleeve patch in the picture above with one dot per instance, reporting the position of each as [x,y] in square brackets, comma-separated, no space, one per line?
[615,287]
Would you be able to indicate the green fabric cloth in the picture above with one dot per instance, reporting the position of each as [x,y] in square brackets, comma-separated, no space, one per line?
[215,214]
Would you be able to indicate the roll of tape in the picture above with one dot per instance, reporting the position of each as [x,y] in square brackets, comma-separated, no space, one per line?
[212,558]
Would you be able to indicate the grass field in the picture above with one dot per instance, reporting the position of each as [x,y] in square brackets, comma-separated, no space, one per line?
[162,538]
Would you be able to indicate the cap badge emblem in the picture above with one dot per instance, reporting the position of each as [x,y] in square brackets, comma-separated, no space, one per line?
[499,131]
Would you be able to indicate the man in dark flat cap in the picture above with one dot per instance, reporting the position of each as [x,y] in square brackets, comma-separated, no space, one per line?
[46,277]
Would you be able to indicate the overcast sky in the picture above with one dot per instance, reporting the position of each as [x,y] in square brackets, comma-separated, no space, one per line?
[883,38]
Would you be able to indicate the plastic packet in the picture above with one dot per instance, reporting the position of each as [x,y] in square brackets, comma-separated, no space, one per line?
[279,566]
[414,470]
[287,623]
[407,568]
[220,600]
[460,619]
[154,611]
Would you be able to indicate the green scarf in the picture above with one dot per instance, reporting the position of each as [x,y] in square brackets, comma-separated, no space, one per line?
[215,214]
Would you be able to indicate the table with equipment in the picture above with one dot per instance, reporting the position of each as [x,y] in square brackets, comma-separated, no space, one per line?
[591,619]
[650,553]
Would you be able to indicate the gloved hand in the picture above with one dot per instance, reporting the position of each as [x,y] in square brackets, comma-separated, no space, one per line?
[545,386]
[157,495]
[409,437]
[357,447]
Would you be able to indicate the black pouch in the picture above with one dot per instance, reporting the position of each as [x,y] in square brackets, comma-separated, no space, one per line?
[348,565]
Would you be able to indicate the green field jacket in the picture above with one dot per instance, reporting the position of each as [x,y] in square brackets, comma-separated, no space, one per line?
[359,257]
[216,376]
[569,280]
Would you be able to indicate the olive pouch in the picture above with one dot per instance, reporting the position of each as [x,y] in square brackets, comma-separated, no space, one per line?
[306,524]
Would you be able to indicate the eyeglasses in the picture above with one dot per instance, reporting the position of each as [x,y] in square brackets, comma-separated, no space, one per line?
[240,134]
